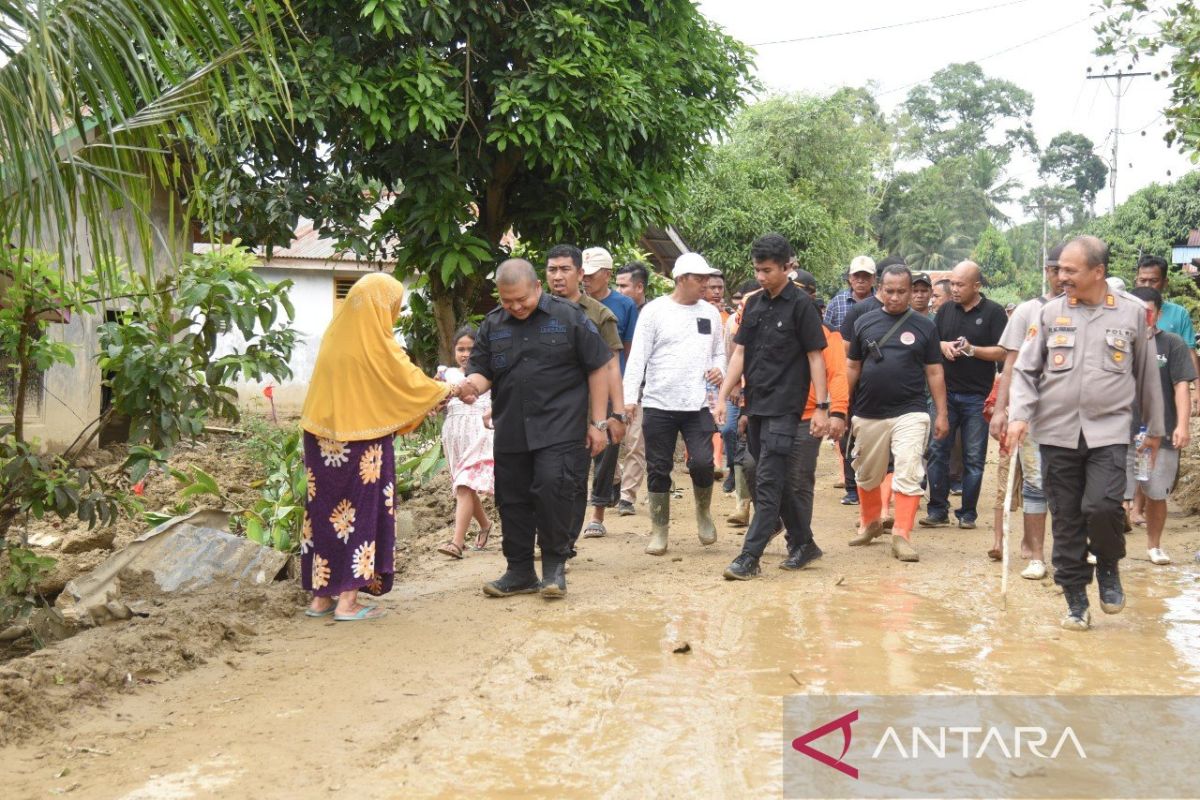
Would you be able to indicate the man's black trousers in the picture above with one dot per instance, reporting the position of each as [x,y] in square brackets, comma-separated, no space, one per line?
[660,430]
[536,494]
[1084,487]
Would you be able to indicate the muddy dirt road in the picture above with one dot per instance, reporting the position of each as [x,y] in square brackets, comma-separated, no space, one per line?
[457,695]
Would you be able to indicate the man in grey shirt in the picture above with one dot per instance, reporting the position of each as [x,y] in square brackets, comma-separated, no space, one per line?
[1085,358]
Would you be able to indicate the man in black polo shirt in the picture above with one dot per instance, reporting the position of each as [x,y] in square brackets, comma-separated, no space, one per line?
[547,366]
[894,353]
[970,327]
[778,349]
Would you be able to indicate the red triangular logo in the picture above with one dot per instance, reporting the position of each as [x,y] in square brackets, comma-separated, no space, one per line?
[800,743]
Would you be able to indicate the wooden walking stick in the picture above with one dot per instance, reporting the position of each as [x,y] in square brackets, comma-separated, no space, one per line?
[1008,492]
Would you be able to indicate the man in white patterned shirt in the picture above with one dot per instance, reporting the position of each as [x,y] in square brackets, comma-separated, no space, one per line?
[678,351]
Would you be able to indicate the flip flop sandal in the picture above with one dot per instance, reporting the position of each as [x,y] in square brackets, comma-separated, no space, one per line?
[308,612]
[451,549]
[481,538]
[366,612]
[594,530]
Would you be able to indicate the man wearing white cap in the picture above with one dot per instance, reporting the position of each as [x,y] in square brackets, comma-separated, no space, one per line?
[861,279]
[606,489]
[678,351]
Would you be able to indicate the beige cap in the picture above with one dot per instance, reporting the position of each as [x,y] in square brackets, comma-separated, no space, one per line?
[862,264]
[596,259]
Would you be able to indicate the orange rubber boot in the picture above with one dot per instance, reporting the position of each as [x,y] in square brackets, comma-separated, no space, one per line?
[870,505]
[885,491]
[907,506]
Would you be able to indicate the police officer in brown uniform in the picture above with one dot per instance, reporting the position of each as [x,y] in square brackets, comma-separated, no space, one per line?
[1086,357]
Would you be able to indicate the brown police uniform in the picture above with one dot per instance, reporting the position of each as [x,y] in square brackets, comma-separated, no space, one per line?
[1075,382]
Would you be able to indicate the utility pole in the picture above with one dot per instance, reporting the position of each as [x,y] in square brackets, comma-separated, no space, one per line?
[1116,134]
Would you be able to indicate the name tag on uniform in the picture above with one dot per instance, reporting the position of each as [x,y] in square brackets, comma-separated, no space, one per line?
[704,326]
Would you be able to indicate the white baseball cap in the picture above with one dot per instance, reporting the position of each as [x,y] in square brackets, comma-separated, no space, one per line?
[596,259]
[692,264]
[862,264]
[1115,283]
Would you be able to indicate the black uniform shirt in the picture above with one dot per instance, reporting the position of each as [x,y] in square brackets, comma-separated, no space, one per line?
[777,334]
[983,326]
[539,369]
[895,385]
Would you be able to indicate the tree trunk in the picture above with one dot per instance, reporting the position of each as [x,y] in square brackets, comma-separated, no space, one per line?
[446,319]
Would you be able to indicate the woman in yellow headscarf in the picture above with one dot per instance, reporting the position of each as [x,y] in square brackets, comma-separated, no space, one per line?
[364,391]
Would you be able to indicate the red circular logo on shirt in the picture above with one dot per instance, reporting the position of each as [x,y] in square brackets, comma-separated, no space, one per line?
[907,337]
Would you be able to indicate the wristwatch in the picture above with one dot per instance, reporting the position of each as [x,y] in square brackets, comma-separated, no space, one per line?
[823,406]
[969,351]
[601,426]
[619,418]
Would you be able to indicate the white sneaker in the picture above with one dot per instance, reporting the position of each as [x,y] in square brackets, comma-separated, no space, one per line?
[1158,556]
[1035,571]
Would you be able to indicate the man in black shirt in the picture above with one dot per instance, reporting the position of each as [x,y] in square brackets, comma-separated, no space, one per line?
[894,353]
[970,328]
[547,366]
[778,349]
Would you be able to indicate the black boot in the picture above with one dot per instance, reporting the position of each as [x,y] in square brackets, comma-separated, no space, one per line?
[802,556]
[1112,596]
[513,582]
[1078,617]
[554,578]
[743,568]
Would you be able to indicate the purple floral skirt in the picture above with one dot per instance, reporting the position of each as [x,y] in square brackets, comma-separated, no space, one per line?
[349,536]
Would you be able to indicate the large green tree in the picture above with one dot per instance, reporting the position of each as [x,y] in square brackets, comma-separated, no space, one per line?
[961,111]
[1071,161]
[805,166]
[558,119]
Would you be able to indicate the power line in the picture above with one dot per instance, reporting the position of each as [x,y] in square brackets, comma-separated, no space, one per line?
[997,53]
[890,27]
[1116,130]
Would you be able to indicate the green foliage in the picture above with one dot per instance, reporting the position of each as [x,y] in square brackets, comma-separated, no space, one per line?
[932,217]
[959,111]
[161,352]
[96,99]
[18,581]
[561,120]
[995,258]
[1139,28]
[799,165]
[1150,221]
[1071,159]
[419,456]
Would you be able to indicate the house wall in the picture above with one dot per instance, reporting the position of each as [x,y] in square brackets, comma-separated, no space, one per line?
[71,398]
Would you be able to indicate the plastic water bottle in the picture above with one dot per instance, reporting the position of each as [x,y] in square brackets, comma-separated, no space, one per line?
[1141,469]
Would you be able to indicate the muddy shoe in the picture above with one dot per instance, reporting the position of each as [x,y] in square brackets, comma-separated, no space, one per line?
[868,534]
[511,583]
[1112,596]
[802,556]
[903,550]
[705,529]
[554,579]
[1078,617]
[594,530]
[743,568]
[934,522]
[741,517]
[887,523]
[660,522]
[625,509]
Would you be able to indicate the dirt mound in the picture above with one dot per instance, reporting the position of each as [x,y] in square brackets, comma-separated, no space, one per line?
[1187,489]
[176,633]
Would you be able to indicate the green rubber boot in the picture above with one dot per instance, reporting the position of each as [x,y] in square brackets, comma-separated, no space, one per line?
[660,522]
[705,528]
[741,517]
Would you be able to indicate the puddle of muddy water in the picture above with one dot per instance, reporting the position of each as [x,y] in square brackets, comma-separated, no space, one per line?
[597,702]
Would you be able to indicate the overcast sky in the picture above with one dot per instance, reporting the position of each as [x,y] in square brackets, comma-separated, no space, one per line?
[1043,46]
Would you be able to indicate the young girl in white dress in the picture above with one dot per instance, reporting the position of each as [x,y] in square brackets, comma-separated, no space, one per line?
[467,443]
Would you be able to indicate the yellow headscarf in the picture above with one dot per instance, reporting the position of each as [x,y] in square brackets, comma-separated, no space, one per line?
[363,385]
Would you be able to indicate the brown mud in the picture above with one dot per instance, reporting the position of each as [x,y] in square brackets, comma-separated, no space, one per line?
[454,694]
